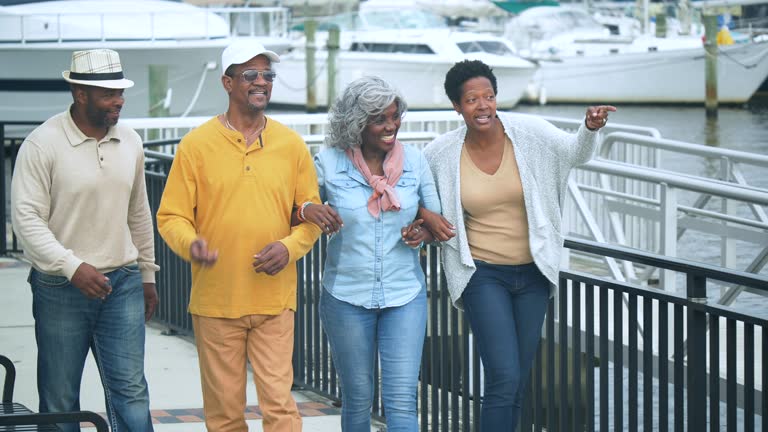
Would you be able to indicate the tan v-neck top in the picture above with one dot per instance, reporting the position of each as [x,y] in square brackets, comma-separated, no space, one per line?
[494,211]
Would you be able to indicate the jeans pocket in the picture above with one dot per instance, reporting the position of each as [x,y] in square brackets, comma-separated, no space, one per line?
[130,269]
[47,281]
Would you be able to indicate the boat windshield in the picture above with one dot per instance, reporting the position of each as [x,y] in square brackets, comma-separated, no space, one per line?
[491,47]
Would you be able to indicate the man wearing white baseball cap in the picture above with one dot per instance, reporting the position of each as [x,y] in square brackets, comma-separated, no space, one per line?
[81,212]
[232,188]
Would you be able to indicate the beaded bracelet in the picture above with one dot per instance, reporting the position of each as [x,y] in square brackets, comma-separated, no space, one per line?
[301,210]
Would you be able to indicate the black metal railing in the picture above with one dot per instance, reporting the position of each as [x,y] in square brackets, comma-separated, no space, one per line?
[614,356]
[10,140]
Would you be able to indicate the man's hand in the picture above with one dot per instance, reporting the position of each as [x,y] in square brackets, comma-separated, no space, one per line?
[90,282]
[272,259]
[150,300]
[200,254]
[441,229]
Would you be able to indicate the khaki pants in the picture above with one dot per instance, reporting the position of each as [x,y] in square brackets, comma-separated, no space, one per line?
[222,345]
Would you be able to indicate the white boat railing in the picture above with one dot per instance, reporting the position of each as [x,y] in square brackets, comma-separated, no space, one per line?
[177,25]
[256,21]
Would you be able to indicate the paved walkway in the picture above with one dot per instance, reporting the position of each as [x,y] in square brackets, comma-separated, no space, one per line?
[171,368]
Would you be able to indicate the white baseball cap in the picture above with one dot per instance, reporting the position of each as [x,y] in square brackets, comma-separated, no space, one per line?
[242,50]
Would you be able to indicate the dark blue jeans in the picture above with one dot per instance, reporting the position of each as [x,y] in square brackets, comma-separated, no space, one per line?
[505,306]
[68,324]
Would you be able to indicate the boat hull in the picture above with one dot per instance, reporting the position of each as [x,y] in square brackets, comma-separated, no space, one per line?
[419,80]
[38,91]
[652,77]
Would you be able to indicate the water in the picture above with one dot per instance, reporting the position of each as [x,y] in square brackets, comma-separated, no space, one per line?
[742,128]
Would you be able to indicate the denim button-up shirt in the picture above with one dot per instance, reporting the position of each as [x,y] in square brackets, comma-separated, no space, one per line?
[367,264]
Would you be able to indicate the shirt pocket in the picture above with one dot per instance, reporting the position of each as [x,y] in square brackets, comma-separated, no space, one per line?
[345,193]
[408,191]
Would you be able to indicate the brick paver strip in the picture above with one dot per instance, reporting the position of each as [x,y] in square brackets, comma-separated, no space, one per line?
[252,412]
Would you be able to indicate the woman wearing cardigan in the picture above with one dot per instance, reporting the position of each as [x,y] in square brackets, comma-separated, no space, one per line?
[501,180]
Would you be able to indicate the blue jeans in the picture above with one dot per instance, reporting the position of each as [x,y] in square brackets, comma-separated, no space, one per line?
[505,306]
[355,333]
[68,324]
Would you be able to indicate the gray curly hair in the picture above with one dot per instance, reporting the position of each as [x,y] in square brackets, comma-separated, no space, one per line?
[364,97]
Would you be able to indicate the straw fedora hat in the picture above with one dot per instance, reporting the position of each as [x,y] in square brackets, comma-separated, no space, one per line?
[98,68]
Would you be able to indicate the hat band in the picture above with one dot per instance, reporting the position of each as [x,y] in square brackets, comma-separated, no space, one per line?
[96,76]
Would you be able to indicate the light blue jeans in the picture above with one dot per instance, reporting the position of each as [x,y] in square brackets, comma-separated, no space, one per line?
[355,333]
[505,306]
[68,324]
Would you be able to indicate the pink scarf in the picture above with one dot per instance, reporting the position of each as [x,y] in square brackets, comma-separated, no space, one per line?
[383,186]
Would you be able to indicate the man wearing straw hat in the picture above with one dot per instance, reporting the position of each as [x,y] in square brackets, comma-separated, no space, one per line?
[81,212]
[227,208]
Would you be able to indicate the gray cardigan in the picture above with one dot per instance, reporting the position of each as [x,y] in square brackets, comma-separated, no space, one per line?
[545,156]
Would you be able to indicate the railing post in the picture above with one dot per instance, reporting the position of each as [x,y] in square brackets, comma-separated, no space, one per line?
[668,235]
[697,353]
[728,207]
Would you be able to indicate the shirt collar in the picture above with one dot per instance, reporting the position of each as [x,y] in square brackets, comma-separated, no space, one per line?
[343,164]
[77,137]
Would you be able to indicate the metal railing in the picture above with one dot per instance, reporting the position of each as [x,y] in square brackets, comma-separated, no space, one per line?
[625,369]
[615,356]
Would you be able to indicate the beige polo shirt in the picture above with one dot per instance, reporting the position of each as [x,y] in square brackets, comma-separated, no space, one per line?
[75,199]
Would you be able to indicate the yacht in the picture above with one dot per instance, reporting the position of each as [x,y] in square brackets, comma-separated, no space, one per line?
[169,49]
[411,48]
[581,61]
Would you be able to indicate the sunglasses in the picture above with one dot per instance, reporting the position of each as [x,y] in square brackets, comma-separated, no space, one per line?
[252,75]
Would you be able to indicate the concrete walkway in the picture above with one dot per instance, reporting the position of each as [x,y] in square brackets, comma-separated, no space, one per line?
[171,369]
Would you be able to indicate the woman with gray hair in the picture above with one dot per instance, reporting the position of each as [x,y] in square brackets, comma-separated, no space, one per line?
[374,292]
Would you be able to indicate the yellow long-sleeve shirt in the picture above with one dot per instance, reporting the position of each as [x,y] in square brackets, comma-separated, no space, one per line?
[239,200]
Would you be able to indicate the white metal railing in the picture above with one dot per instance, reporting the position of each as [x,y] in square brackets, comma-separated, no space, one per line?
[431,123]
[158,25]
[622,197]
[606,206]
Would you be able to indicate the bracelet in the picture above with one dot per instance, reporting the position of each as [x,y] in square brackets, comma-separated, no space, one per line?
[298,215]
[301,210]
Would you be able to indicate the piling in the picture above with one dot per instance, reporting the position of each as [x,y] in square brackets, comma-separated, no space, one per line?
[333,52]
[309,31]
[158,92]
[661,25]
[710,65]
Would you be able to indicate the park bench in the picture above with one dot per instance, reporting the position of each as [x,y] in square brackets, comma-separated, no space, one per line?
[16,417]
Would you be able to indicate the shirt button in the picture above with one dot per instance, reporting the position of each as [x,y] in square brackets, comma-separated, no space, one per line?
[247,168]
[101,159]
[238,140]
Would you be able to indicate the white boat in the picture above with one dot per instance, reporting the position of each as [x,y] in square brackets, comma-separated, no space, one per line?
[410,48]
[581,62]
[181,42]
